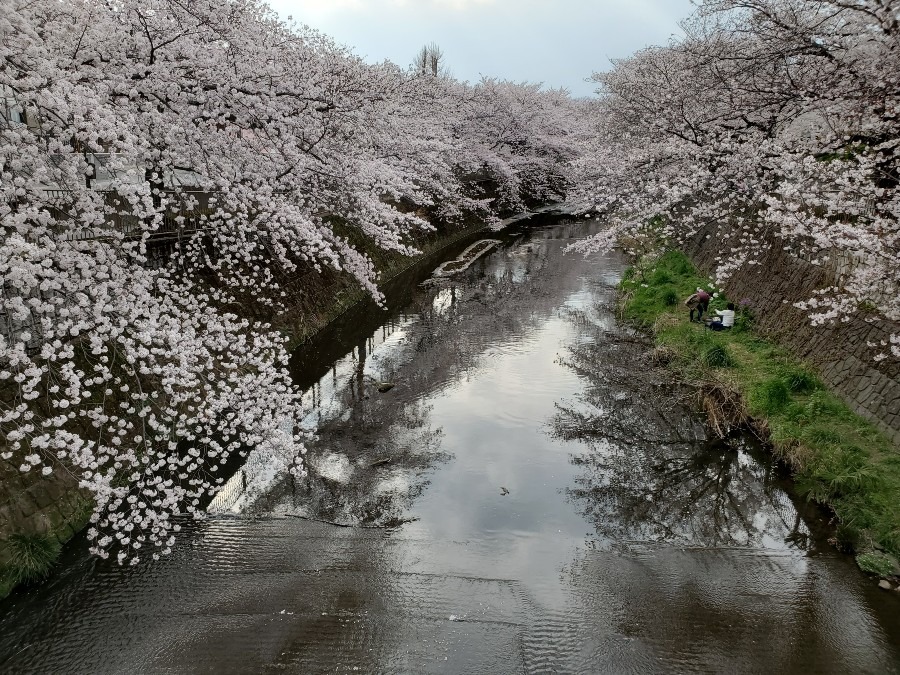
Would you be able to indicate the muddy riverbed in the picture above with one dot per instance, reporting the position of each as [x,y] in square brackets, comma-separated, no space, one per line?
[500,482]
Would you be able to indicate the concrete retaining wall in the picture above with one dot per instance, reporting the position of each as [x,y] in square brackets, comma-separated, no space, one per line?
[840,352]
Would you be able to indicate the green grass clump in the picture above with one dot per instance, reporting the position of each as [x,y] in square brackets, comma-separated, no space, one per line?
[820,404]
[31,556]
[717,356]
[770,397]
[838,458]
[800,380]
[660,277]
[876,563]
[669,297]
[837,471]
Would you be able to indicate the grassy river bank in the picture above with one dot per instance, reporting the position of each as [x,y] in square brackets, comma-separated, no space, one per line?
[838,459]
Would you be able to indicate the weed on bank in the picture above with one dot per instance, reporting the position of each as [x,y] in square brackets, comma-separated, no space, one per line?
[838,458]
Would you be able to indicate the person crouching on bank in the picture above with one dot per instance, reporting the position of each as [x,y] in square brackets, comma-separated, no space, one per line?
[725,318]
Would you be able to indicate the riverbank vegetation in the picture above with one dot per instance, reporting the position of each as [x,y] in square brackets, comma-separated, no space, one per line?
[838,458]
[31,556]
[770,125]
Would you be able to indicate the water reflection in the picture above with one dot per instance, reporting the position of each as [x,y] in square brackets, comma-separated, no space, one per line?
[374,449]
[650,473]
[365,469]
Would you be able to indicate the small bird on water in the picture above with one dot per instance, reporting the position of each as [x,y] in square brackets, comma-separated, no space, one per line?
[503,491]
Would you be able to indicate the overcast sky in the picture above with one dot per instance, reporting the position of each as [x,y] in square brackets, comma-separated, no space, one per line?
[557,42]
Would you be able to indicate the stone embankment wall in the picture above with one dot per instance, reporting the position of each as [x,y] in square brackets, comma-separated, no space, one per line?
[840,352]
[34,504]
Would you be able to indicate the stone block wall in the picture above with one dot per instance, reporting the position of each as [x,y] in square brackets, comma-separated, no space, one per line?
[34,504]
[840,351]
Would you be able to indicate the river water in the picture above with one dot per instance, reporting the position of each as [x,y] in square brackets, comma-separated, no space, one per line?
[529,495]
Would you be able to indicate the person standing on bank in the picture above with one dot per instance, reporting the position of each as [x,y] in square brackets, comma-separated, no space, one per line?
[698,302]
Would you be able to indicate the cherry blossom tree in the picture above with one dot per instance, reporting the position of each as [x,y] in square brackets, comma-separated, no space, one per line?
[239,140]
[776,120]
[524,137]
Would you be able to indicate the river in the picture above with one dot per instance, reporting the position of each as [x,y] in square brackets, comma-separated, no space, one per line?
[502,483]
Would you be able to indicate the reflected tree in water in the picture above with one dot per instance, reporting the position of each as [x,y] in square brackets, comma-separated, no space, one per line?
[649,471]
[384,455]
